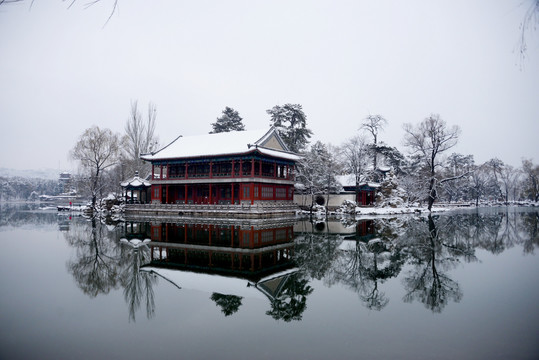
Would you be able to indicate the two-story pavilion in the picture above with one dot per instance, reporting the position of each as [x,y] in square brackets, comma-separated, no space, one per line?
[238,167]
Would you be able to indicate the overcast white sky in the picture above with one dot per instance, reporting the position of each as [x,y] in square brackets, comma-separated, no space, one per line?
[62,71]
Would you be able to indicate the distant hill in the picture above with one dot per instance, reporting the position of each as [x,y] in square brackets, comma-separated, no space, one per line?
[46,174]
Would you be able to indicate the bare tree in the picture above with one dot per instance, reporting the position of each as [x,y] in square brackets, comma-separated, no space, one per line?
[115,5]
[2,2]
[531,179]
[428,140]
[354,155]
[317,170]
[374,124]
[97,150]
[455,166]
[496,166]
[479,182]
[86,5]
[140,138]
[530,21]
[509,178]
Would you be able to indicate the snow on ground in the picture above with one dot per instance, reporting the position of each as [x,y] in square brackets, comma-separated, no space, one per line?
[319,211]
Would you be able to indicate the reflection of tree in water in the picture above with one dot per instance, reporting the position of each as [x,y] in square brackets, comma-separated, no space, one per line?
[101,264]
[494,230]
[138,285]
[229,303]
[432,246]
[27,215]
[357,263]
[362,266]
[291,301]
[95,266]
[315,252]
[486,231]
[530,231]
[378,253]
[431,257]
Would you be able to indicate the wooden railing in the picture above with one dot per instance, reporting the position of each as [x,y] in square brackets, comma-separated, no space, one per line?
[258,207]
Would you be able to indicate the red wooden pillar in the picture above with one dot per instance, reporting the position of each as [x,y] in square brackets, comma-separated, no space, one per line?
[209,197]
[252,167]
[186,168]
[241,168]
[185,191]
[232,193]
[233,169]
[274,170]
[211,169]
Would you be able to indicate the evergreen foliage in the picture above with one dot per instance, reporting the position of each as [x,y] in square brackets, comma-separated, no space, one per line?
[291,122]
[229,121]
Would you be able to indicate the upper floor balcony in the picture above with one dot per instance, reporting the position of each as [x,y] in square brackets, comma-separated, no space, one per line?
[223,169]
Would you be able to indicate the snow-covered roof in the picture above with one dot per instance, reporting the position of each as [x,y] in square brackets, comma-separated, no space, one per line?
[350,180]
[213,283]
[346,180]
[207,282]
[135,181]
[226,143]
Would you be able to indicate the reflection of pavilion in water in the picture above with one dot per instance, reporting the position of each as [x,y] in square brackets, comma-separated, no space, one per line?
[229,260]
[361,230]
[246,250]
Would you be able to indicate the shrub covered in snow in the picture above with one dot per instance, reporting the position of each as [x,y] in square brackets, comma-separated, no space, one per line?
[347,207]
[390,194]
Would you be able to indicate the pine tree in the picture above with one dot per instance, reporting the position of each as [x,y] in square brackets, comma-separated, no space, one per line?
[229,121]
[291,122]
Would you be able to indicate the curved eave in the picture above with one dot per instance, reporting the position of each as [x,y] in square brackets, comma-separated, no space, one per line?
[136,184]
[137,187]
[265,151]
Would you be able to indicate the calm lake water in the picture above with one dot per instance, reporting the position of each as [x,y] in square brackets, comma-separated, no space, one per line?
[460,285]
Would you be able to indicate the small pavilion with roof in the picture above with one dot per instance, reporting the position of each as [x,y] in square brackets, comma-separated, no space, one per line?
[365,191]
[136,190]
